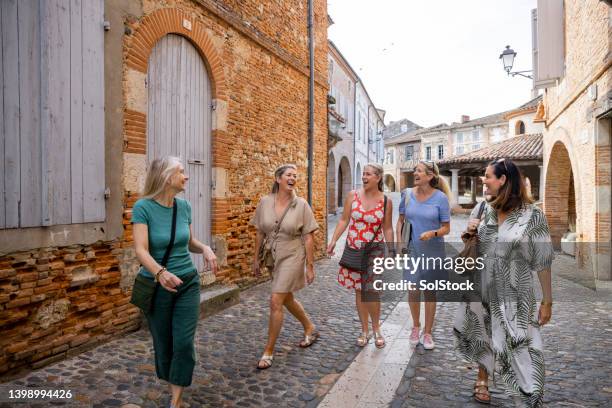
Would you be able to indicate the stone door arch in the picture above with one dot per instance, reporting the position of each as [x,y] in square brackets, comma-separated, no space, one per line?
[345,181]
[560,193]
[389,183]
[331,184]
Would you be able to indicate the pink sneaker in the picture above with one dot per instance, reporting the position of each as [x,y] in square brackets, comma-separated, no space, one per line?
[415,336]
[428,343]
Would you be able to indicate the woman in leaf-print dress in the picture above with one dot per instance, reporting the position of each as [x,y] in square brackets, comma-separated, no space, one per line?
[505,325]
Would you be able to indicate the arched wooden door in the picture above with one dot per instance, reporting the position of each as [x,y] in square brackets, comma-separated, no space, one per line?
[179,122]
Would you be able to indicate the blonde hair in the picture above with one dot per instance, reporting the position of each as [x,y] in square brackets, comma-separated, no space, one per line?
[280,170]
[159,173]
[437,182]
[379,171]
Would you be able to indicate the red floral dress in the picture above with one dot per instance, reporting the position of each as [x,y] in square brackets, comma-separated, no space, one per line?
[362,227]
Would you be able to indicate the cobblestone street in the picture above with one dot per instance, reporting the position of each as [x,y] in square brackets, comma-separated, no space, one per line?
[121,372]
[577,344]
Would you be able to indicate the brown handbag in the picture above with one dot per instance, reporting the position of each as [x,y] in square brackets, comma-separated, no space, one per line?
[266,250]
[470,249]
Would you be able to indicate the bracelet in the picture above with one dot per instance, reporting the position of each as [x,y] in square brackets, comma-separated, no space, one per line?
[436,233]
[158,274]
[543,303]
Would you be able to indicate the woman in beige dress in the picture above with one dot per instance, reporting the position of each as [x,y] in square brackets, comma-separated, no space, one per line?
[293,249]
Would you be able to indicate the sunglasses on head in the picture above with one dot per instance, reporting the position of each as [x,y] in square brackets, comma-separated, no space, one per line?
[498,161]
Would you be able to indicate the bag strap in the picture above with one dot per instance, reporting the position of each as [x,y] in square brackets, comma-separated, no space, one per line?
[382,222]
[277,228]
[407,200]
[172,235]
[481,209]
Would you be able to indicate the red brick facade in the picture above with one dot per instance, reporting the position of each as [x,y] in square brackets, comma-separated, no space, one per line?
[55,301]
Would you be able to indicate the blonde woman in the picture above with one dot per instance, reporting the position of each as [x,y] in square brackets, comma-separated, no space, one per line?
[176,305]
[428,211]
[289,222]
[368,220]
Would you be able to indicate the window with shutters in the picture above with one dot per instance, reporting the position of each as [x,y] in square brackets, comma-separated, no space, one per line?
[409,152]
[428,153]
[440,152]
[52,111]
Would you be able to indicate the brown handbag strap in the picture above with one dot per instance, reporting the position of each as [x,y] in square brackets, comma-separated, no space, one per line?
[277,228]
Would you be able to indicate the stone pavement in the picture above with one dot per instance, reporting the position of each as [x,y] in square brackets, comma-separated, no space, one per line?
[121,372]
[578,345]
[228,347]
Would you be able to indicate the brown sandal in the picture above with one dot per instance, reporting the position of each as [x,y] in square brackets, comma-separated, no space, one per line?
[482,389]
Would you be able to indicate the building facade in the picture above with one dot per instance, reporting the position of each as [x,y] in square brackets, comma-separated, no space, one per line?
[576,75]
[341,160]
[222,85]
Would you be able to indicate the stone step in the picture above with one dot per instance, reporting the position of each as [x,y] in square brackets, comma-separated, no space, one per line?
[214,299]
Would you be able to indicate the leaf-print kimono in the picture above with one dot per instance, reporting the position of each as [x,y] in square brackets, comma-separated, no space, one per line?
[503,326]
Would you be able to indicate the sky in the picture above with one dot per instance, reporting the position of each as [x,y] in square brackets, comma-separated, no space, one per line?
[433,61]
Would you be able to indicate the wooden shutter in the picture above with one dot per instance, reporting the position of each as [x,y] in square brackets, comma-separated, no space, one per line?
[52,115]
[550,43]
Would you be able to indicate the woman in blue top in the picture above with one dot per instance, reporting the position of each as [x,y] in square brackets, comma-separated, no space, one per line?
[176,306]
[429,213]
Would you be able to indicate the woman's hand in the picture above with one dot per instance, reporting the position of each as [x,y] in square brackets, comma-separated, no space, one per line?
[256,268]
[544,314]
[310,275]
[169,281]
[427,235]
[210,258]
[330,248]
[473,224]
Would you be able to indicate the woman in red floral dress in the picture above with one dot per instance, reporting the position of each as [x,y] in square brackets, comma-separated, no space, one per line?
[368,220]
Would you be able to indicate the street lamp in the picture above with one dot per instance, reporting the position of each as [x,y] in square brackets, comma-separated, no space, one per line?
[507,57]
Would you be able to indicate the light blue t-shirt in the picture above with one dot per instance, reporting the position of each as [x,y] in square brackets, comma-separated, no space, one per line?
[158,219]
[426,216]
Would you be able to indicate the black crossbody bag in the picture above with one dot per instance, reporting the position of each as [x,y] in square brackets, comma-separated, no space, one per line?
[359,259]
[144,289]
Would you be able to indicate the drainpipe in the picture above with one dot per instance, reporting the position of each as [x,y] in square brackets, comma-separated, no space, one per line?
[310,99]
[368,137]
[353,177]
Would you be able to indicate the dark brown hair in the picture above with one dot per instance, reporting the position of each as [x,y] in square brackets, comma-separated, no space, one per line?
[513,194]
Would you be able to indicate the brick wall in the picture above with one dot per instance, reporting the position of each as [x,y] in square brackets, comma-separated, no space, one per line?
[58,301]
[575,138]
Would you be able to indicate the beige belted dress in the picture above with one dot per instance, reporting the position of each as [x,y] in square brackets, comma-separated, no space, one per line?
[289,250]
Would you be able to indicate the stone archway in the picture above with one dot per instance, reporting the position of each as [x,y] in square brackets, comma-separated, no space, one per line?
[139,46]
[331,184]
[345,181]
[559,195]
[389,183]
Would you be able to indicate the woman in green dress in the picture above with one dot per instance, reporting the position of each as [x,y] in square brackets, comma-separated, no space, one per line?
[504,326]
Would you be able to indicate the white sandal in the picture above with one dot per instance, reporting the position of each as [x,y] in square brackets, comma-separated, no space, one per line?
[267,359]
[363,339]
